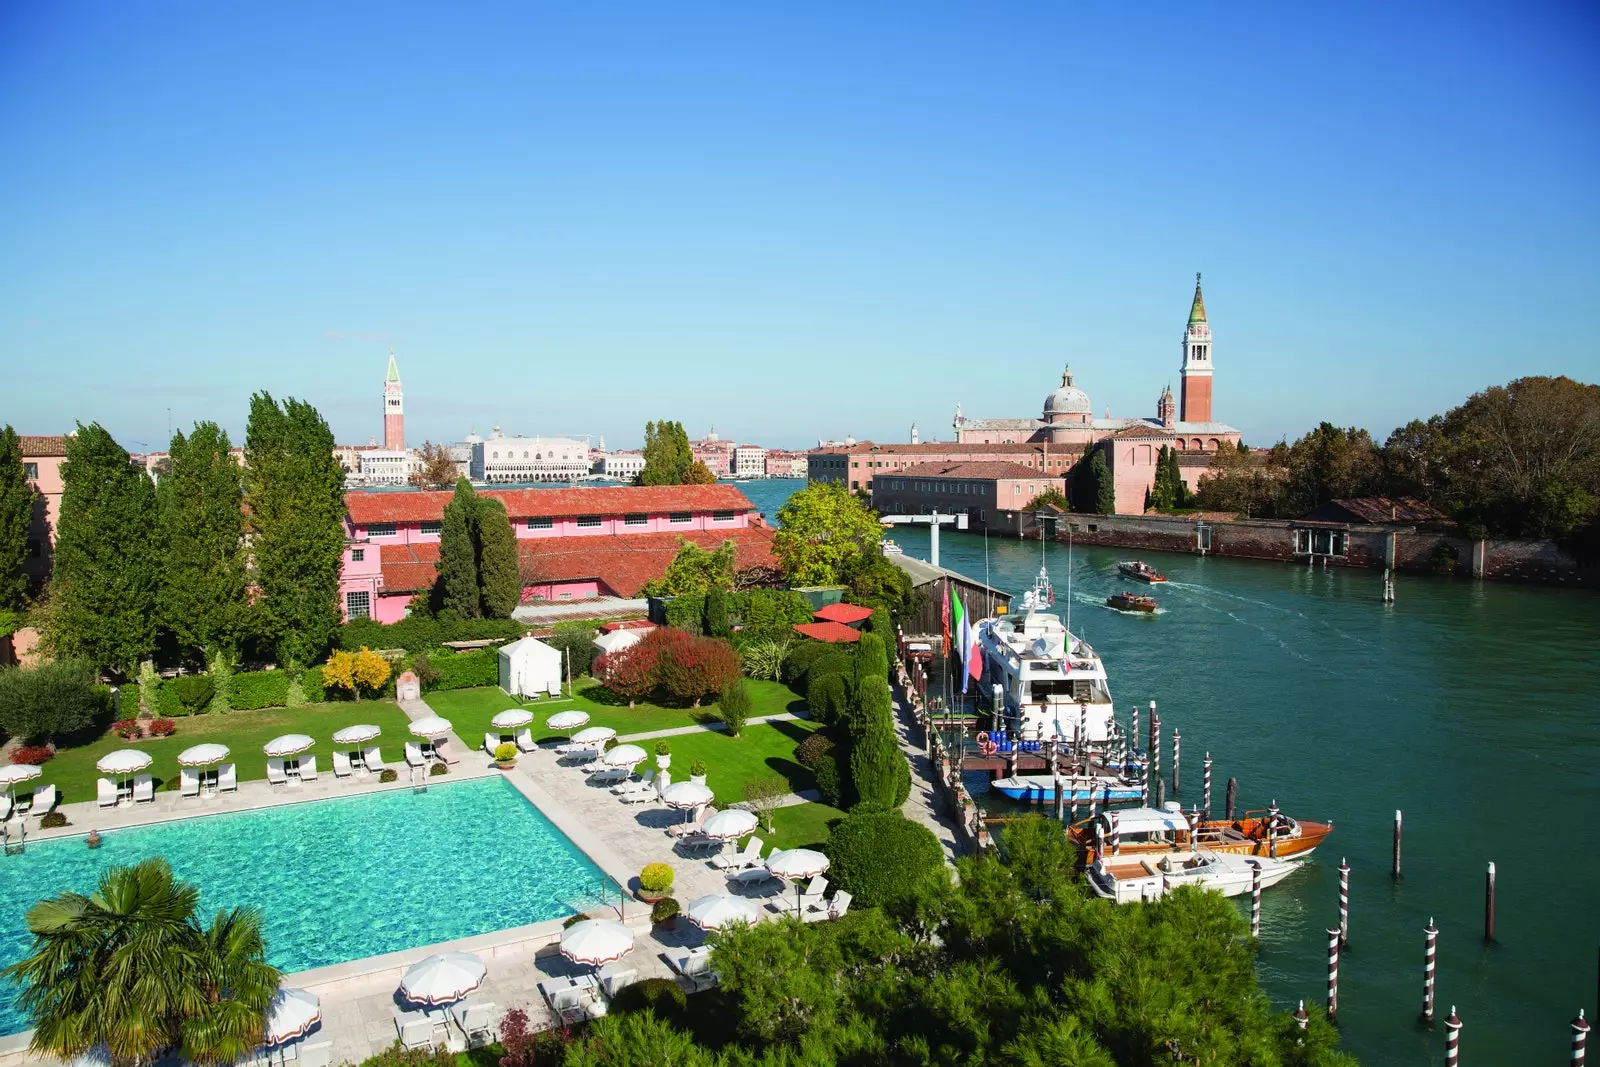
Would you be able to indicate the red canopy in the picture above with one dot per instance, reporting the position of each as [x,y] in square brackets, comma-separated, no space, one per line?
[835,633]
[845,613]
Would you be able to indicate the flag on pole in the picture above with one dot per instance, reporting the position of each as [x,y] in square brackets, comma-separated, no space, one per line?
[959,648]
[944,614]
[974,658]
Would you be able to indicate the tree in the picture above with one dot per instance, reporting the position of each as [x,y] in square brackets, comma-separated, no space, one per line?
[105,573]
[668,459]
[1331,463]
[457,584]
[764,796]
[872,658]
[294,493]
[1236,482]
[50,700]
[499,570]
[877,765]
[734,705]
[694,570]
[716,621]
[1093,489]
[356,672]
[203,599]
[1168,492]
[1053,498]
[699,474]
[438,470]
[130,967]
[630,672]
[16,516]
[824,534]
[691,668]
[880,857]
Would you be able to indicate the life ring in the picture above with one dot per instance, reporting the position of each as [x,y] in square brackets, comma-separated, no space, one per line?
[986,746]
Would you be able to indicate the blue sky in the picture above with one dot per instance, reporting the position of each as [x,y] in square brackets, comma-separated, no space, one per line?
[831,219]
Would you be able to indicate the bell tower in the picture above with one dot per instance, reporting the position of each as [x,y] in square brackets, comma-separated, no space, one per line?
[1195,375]
[394,416]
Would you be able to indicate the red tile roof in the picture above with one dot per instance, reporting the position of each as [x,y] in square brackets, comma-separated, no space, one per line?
[415,506]
[937,448]
[1143,430]
[845,613]
[43,446]
[1382,509]
[834,633]
[991,470]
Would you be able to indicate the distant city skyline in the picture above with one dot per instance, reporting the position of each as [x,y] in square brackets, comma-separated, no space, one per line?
[791,225]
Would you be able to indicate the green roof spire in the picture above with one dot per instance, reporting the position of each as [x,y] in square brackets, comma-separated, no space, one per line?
[394,371]
[1197,310]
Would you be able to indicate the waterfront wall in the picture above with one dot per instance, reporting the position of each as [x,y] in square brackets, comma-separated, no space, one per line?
[1405,548]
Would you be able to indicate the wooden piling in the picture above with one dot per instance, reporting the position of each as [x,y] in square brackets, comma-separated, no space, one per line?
[1177,743]
[1344,903]
[1488,904]
[1452,1039]
[1580,1039]
[1233,795]
[1161,792]
[1396,872]
[1255,901]
[1205,786]
[1333,972]
[1059,802]
[1430,945]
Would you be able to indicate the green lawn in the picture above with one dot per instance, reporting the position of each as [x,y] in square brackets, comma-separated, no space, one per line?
[244,732]
[758,752]
[469,710]
[802,826]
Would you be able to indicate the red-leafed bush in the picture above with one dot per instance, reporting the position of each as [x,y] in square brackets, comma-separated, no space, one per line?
[162,728]
[32,755]
[630,672]
[697,667]
[126,728]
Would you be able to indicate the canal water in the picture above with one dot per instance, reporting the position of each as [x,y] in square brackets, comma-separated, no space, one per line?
[1472,706]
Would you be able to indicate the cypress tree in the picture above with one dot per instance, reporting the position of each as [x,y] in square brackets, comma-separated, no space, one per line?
[203,599]
[294,490]
[105,572]
[16,514]
[458,555]
[716,612]
[1180,493]
[1105,490]
[872,659]
[499,570]
[875,756]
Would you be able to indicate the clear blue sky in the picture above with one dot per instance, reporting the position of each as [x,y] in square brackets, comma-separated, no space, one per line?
[831,219]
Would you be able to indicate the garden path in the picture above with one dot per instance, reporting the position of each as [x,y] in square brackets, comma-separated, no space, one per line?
[923,804]
[719,727]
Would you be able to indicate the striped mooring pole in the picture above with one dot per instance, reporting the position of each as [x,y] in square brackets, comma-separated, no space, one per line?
[1396,871]
[1452,1039]
[1205,786]
[1272,826]
[1161,792]
[1144,784]
[1300,1017]
[1430,946]
[1255,901]
[1072,787]
[1081,747]
[1135,732]
[1055,776]
[1233,795]
[1177,747]
[1093,797]
[1116,836]
[1344,903]
[1488,904]
[1580,1038]
[1333,972]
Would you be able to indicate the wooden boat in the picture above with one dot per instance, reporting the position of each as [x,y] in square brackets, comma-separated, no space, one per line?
[1148,830]
[1131,602]
[1128,879]
[1041,788]
[1139,570]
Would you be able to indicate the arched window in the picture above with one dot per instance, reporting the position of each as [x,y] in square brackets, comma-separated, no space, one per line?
[1180,445]
[1214,444]
[1197,443]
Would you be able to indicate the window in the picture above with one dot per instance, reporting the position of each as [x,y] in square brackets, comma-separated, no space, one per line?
[358,605]
[855,484]
[431,527]
[635,520]
[494,455]
[722,516]
[588,521]
[30,471]
[542,522]
[380,529]
[680,517]
[357,555]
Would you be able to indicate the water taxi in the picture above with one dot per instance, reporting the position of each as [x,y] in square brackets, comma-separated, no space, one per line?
[1139,570]
[1142,831]
[1128,879]
[1132,602]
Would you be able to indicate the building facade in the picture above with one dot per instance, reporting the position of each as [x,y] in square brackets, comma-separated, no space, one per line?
[42,457]
[783,464]
[715,453]
[855,466]
[394,414]
[623,466]
[993,494]
[504,459]
[749,461]
[387,466]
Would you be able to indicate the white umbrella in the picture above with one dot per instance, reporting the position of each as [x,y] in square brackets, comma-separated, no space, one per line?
[203,755]
[443,977]
[596,942]
[13,773]
[795,864]
[288,745]
[291,1013]
[512,718]
[430,726]
[567,720]
[354,735]
[624,756]
[685,795]
[717,910]
[123,761]
[730,824]
[593,735]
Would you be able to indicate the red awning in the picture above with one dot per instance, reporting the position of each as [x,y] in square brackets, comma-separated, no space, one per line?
[835,633]
[845,613]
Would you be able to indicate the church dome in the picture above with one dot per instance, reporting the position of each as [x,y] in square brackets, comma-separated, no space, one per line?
[1068,400]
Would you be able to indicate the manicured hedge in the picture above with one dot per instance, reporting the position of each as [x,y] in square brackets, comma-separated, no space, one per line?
[421,632]
[881,856]
[168,706]
[687,612]
[464,670]
[311,682]
[253,690]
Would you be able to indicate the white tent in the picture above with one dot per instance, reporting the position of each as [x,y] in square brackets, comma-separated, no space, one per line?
[618,640]
[529,667]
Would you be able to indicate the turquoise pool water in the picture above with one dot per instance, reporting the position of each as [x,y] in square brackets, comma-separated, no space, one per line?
[336,879]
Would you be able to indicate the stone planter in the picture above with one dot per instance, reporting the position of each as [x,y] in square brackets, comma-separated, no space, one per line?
[505,765]
[663,762]
[698,779]
[648,897]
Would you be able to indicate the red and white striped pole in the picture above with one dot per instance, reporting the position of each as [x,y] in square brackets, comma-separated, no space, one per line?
[1205,786]
[1255,900]
[1344,903]
[1177,743]
[1333,972]
[1135,732]
[1452,1039]
[1430,945]
[1301,1018]
[1580,1039]
[1116,836]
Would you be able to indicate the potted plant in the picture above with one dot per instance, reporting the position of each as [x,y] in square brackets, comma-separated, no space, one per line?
[505,755]
[663,755]
[655,882]
[697,772]
[664,912]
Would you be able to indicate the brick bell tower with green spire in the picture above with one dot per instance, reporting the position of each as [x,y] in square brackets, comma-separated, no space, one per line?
[394,412]
[1194,391]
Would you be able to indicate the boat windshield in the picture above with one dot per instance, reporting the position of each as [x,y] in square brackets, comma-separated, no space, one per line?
[1070,690]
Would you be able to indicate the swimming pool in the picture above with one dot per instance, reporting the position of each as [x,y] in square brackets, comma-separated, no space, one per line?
[335,879]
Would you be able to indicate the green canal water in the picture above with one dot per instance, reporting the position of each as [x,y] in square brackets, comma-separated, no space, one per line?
[1473,707]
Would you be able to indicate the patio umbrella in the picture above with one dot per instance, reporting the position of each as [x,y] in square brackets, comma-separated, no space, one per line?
[288,745]
[596,942]
[443,977]
[594,735]
[429,727]
[624,756]
[730,824]
[354,735]
[291,1013]
[795,864]
[717,910]
[203,755]
[567,720]
[123,761]
[13,773]
[685,795]
[512,718]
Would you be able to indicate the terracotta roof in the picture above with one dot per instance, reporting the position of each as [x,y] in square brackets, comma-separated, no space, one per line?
[417,506]
[845,613]
[935,448]
[43,446]
[834,633]
[985,470]
[1382,509]
[1142,430]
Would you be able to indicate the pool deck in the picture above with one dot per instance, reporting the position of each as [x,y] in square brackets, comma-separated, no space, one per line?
[358,997]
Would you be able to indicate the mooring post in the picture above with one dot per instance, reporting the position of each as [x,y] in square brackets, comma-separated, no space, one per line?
[1155,743]
[1055,776]
[1396,871]
[1081,747]
[1430,945]
[1161,792]
[1488,904]
[1093,797]
[1135,732]
[1116,836]
[1344,903]
[1300,1017]
[1452,1039]
[1333,972]
[1144,784]
[1233,795]
[1255,900]
[1205,785]
[1272,829]
[1177,742]
[1580,1039]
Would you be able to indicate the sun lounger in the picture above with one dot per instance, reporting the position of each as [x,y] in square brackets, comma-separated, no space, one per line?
[479,1022]
[414,755]
[415,1029]
[691,844]
[228,778]
[5,807]
[308,769]
[373,759]
[634,787]
[189,782]
[44,799]
[811,898]
[341,765]
[144,789]
[275,773]
[754,876]
[105,792]
[610,774]
[317,1055]
[833,909]
[639,796]
[684,829]
[525,740]
[441,750]
[695,967]
[612,983]
[491,742]
[568,1002]
[738,861]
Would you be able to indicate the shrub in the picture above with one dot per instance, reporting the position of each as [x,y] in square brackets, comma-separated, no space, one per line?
[686,612]
[832,785]
[734,706]
[466,670]
[162,727]
[388,774]
[881,625]
[53,819]
[664,910]
[629,672]
[828,699]
[764,657]
[716,614]
[356,672]
[575,642]
[167,705]
[875,755]
[659,995]
[253,690]
[764,795]
[525,1047]
[656,878]
[663,748]
[311,682]
[799,660]
[49,700]
[833,660]
[695,668]
[427,674]
[505,752]
[195,692]
[438,770]
[816,745]
[397,1055]
[881,857]
[419,632]
[872,658]
[32,755]
[697,768]
[127,729]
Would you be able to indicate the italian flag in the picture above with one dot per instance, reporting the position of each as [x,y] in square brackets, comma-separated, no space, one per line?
[974,658]
[958,648]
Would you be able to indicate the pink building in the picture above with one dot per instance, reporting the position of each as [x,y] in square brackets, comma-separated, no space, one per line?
[993,494]
[572,543]
[41,465]
[715,453]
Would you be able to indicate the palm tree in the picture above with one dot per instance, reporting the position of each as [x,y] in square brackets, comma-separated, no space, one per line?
[130,968]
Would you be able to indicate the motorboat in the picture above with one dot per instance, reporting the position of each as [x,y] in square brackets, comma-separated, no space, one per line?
[1127,879]
[1131,602]
[1139,570]
[1041,788]
[1145,831]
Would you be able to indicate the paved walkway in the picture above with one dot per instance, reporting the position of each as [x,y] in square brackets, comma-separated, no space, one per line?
[924,805]
[701,727]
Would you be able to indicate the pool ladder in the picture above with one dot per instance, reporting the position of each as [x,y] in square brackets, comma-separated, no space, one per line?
[22,837]
[419,779]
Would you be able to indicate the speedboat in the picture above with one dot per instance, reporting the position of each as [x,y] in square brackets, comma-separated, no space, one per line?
[1041,788]
[1127,879]
[1131,602]
[1139,570]
[1147,831]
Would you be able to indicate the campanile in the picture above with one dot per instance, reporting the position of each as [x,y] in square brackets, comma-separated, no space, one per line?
[1195,375]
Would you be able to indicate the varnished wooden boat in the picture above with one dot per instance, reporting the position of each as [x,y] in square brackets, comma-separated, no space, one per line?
[1131,602]
[1139,570]
[1145,834]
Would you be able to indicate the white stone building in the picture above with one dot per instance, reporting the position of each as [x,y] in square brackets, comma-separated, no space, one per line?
[623,466]
[749,461]
[387,466]
[499,458]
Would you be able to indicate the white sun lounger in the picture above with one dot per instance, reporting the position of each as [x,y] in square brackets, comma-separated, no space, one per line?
[756,875]
[373,759]
[811,898]
[695,967]
[308,769]
[553,687]
[414,755]
[341,765]
[105,791]
[832,909]
[525,740]
[275,773]
[634,787]
[189,782]
[441,749]
[491,742]
[316,1055]
[738,861]
[5,807]
[144,789]
[228,778]
[480,1022]
[415,1029]
[575,749]
[684,829]
[567,1002]
[44,799]
[616,981]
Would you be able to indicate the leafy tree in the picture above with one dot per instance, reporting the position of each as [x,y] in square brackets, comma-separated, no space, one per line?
[876,580]
[1168,492]
[203,599]
[734,705]
[630,672]
[356,672]
[764,796]
[699,474]
[1416,461]
[872,659]
[457,585]
[694,570]
[130,967]
[825,534]
[668,459]
[1331,463]
[1049,498]
[499,572]
[880,857]
[438,470]
[575,641]
[637,1039]
[1236,482]
[16,515]
[294,492]
[691,668]
[105,573]
[50,700]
